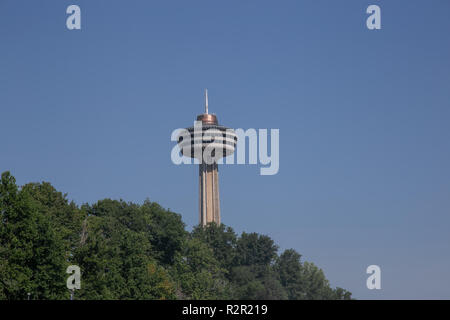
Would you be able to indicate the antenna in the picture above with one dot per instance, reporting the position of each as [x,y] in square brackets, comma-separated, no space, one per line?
[206,101]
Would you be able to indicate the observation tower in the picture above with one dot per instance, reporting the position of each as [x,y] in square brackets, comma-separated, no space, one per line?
[208,142]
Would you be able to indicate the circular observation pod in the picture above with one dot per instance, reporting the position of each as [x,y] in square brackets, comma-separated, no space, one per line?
[207,140]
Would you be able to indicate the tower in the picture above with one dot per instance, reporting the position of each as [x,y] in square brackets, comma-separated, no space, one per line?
[208,142]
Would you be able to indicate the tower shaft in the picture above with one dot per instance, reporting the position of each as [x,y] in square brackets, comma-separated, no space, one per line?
[209,202]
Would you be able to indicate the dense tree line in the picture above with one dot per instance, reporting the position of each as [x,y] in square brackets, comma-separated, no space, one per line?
[133,251]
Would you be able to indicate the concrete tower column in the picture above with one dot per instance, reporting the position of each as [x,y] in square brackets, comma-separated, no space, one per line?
[209,201]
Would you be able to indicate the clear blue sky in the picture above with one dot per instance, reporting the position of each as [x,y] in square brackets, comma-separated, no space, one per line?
[363,116]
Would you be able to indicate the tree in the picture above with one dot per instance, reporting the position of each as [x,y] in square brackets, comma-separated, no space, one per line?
[32,254]
[165,230]
[316,286]
[305,281]
[132,251]
[64,216]
[257,282]
[221,239]
[289,268]
[342,294]
[199,273]
[116,256]
[255,249]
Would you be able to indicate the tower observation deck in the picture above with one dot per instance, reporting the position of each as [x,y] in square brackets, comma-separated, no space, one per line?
[208,142]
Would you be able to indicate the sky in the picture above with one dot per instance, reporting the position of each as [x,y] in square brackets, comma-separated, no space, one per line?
[363,116]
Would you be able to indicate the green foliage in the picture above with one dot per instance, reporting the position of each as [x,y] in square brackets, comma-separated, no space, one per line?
[165,230]
[289,269]
[199,274]
[116,257]
[132,251]
[64,217]
[32,257]
[257,282]
[221,239]
[255,249]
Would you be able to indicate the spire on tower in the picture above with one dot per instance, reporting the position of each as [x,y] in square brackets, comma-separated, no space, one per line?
[206,101]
